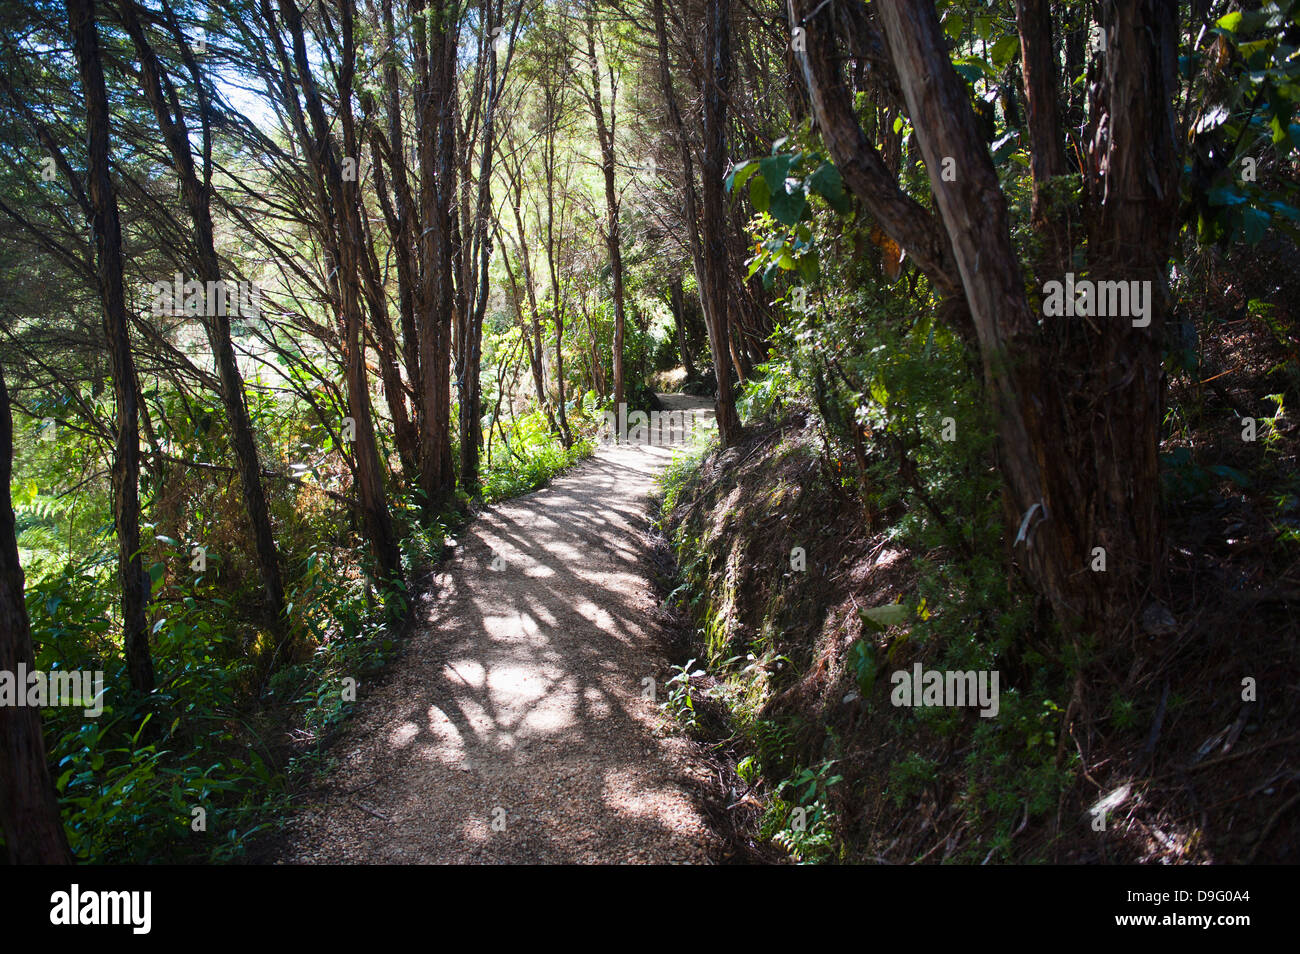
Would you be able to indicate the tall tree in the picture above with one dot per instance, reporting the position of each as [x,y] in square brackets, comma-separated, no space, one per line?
[717,37]
[342,232]
[29,812]
[108,246]
[1077,400]
[437,32]
[678,129]
[605,134]
[197,193]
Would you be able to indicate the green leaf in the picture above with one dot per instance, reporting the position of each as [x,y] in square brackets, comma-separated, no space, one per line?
[827,183]
[1230,473]
[740,174]
[774,170]
[788,208]
[1004,147]
[1226,195]
[1005,50]
[1254,225]
[760,194]
[808,267]
[1242,22]
[972,68]
[891,614]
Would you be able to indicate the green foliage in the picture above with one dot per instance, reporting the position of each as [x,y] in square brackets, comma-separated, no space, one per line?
[779,189]
[529,456]
[798,817]
[680,703]
[1245,80]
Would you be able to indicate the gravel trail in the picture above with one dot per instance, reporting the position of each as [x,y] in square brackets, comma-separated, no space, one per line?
[513,729]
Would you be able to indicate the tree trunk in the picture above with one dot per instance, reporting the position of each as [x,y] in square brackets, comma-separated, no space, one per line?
[717,308]
[605,133]
[684,150]
[197,196]
[435,62]
[677,305]
[108,244]
[29,811]
[1077,404]
[1042,103]
[865,173]
[343,234]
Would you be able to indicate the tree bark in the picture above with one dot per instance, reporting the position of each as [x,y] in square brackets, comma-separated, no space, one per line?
[865,173]
[108,243]
[435,90]
[1046,135]
[691,214]
[1077,403]
[343,239]
[29,811]
[677,305]
[605,133]
[198,200]
[717,309]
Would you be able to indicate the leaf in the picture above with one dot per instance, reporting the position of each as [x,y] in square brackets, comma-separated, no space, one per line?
[760,194]
[1242,22]
[827,183]
[787,208]
[1214,118]
[972,68]
[1254,225]
[774,170]
[890,252]
[1230,473]
[1004,147]
[1226,196]
[740,174]
[1287,211]
[807,265]
[1005,50]
[891,614]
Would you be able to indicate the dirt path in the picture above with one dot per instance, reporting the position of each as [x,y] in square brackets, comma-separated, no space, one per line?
[513,729]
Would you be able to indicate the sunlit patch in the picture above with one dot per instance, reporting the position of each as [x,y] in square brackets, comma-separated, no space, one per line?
[448,747]
[510,683]
[597,614]
[597,705]
[468,672]
[643,802]
[550,718]
[401,737]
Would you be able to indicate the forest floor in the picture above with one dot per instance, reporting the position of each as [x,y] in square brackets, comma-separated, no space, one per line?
[514,727]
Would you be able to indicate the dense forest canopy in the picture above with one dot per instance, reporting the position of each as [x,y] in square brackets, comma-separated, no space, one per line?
[288,288]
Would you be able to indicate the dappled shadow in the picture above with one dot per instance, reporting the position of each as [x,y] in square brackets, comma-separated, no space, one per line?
[516,726]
